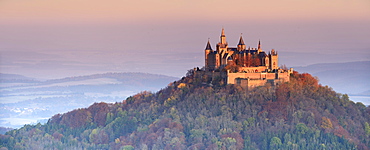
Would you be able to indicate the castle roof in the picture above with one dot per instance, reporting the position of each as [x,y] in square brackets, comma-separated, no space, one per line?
[208,47]
[241,41]
[248,51]
[225,56]
[259,44]
[262,54]
[223,32]
[231,48]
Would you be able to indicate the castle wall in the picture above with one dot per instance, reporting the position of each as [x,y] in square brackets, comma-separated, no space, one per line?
[255,83]
[232,76]
[284,76]
[250,82]
[217,60]
[271,76]
[253,69]
[210,60]
[257,78]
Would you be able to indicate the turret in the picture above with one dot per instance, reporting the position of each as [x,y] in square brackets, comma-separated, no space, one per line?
[259,46]
[222,45]
[208,46]
[223,37]
[208,52]
[241,45]
[273,60]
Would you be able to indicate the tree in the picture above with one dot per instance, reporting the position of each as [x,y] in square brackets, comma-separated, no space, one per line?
[275,143]
[128,147]
[367,129]
[201,116]
[301,128]
[326,123]
[232,67]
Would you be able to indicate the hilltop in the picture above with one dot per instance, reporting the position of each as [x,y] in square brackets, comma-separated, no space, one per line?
[195,113]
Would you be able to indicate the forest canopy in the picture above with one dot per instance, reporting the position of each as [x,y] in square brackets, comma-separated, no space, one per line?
[197,112]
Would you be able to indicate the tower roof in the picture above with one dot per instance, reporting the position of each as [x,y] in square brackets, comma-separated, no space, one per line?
[223,32]
[208,47]
[259,44]
[241,41]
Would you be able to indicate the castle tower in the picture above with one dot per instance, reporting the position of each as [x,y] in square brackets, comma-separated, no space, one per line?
[222,45]
[223,37]
[217,60]
[273,60]
[267,62]
[259,46]
[241,45]
[209,63]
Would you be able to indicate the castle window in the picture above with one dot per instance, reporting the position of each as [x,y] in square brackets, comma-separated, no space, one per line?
[238,81]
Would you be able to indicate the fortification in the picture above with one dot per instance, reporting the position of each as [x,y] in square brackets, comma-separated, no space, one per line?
[246,67]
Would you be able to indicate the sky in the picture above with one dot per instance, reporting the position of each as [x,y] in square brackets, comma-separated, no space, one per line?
[61,38]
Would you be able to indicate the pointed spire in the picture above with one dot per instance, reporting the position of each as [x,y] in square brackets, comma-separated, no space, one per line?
[223,37]
[208,47]
[223,32]
[259,44]
[241,41]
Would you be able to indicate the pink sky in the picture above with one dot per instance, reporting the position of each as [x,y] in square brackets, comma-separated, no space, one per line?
[58,38]
[82,11]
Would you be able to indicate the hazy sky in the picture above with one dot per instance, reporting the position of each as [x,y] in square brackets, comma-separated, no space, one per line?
[59,38]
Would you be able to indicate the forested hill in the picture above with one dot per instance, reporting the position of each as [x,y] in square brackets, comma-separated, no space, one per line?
[194,114]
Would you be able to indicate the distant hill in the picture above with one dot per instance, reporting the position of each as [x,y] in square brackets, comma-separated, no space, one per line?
[351,77]
[130,80]
[25,100]
[5,76]
[4,130]
[191,113]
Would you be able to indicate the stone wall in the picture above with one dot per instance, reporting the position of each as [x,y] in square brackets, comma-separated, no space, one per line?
[253,69]
[254,76]
[248,80]
[257,79]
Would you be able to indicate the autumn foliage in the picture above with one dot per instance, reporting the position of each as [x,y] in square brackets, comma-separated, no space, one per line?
[197,112]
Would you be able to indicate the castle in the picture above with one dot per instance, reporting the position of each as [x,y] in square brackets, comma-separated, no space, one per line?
[246,67]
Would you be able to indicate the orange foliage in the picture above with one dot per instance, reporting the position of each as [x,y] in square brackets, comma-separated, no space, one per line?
[326,123]
[76,118]
[99,113]
[340,131]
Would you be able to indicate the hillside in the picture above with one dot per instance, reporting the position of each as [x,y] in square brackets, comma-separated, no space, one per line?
[24,100]
[199,113]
